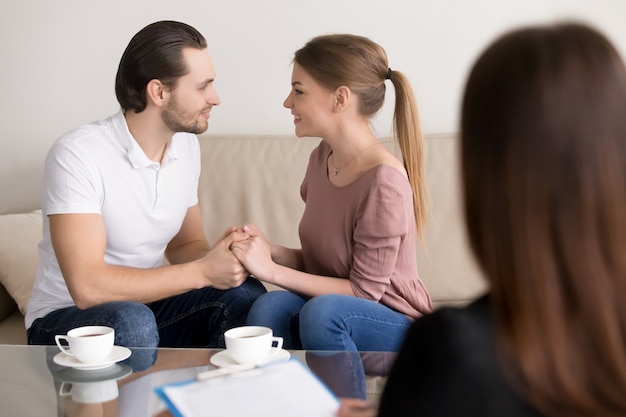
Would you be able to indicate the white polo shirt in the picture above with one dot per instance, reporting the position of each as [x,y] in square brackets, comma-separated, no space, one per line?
[100,168]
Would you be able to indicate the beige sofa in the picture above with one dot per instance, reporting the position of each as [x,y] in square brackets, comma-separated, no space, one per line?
[247,178]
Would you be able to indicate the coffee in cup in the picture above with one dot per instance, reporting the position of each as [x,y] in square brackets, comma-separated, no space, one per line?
[251,344]
[88,344]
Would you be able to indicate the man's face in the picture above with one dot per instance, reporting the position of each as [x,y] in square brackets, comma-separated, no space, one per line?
[190,102]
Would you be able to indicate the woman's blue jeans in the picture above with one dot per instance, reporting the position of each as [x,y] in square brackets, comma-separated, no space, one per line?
[344,324]
[194,319]
[330,322]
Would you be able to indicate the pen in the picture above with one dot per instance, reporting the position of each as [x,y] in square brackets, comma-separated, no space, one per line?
[223,371]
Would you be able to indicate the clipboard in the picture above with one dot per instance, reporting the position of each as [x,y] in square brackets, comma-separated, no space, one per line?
[284,389]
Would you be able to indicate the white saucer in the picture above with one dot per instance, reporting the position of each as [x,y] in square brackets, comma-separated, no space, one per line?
[115,371]
[223,360]
[119,353]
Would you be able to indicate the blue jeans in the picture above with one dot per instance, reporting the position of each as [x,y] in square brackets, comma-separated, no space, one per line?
[194,319]
[330,322]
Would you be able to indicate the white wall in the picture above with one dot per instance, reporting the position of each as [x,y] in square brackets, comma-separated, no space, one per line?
[58,59]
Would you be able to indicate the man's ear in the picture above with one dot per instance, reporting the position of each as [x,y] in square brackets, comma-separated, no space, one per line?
[157,92]
[342,98]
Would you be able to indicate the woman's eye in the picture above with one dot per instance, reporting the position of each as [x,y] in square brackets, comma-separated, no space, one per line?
[298,92]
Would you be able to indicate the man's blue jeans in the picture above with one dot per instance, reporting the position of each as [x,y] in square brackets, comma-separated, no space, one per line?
[330,322]
[195,319]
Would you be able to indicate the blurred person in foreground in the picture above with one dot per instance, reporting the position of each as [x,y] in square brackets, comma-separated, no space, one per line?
[544,171]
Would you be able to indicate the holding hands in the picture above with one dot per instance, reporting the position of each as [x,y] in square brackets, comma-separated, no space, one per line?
[238,253]
[254,252]
[220,266]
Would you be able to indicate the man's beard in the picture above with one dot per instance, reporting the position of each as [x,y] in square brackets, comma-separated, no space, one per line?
[179,121]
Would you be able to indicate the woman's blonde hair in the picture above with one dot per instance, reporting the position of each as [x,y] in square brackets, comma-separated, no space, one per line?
[543,129]
[361,65]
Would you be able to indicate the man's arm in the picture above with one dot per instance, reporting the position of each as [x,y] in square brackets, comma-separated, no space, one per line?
[189,244]
[79,241]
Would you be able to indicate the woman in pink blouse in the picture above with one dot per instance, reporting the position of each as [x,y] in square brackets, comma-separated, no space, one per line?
[354,285]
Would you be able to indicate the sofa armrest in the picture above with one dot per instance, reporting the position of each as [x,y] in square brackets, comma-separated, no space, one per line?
[20,234]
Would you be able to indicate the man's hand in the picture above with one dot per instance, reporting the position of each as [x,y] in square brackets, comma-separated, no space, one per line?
[220,266]
[227,233]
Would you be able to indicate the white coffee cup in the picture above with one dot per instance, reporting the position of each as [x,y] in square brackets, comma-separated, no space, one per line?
[251,344]
[90,392]
[88,344]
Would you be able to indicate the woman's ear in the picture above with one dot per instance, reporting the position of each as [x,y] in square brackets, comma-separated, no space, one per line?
[342,98]
[157,92]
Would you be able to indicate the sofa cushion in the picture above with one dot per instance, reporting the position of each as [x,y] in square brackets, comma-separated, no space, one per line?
[446,263]
[12,330]
[256,178]
[19,237]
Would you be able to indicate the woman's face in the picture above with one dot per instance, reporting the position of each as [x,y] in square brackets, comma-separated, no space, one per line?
[310,103]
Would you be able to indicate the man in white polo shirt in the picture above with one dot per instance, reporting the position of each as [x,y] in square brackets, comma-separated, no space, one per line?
[121,193]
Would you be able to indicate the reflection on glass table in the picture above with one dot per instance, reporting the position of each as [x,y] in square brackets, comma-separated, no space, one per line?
[33,384]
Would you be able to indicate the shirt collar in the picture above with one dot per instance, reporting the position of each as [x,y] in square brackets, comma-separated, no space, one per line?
[136,155]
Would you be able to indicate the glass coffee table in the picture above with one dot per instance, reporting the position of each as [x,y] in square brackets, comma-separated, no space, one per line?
[33,384]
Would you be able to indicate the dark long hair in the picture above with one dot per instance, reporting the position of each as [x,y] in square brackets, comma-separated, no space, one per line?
[361,65]
[544,171]
[155,52]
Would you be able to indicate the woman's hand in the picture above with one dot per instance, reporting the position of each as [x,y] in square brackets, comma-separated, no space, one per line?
[220,267]
[253,230]
[255,253]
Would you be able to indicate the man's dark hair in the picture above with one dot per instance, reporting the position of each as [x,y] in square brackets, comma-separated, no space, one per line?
[155,52]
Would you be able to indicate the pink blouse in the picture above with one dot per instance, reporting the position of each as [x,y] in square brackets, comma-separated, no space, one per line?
[365,232]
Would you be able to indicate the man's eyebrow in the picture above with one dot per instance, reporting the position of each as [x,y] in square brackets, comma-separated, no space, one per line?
[206,82]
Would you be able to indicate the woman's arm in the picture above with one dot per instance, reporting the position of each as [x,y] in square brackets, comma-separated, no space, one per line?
[272,263]
[291,258]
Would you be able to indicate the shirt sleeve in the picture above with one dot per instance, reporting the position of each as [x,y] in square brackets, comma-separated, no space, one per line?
[70,185]
[381,225]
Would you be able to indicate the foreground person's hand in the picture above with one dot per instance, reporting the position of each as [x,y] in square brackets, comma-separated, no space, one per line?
[354,407]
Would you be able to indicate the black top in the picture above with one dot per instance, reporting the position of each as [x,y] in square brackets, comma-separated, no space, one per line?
[447,366]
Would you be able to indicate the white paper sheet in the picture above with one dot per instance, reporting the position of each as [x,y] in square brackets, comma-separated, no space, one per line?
[284,389]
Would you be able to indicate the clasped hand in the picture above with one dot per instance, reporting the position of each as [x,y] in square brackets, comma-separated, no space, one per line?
[220,267]
[254,253]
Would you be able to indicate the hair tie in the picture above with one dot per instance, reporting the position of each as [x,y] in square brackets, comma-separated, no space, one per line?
[388,77]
